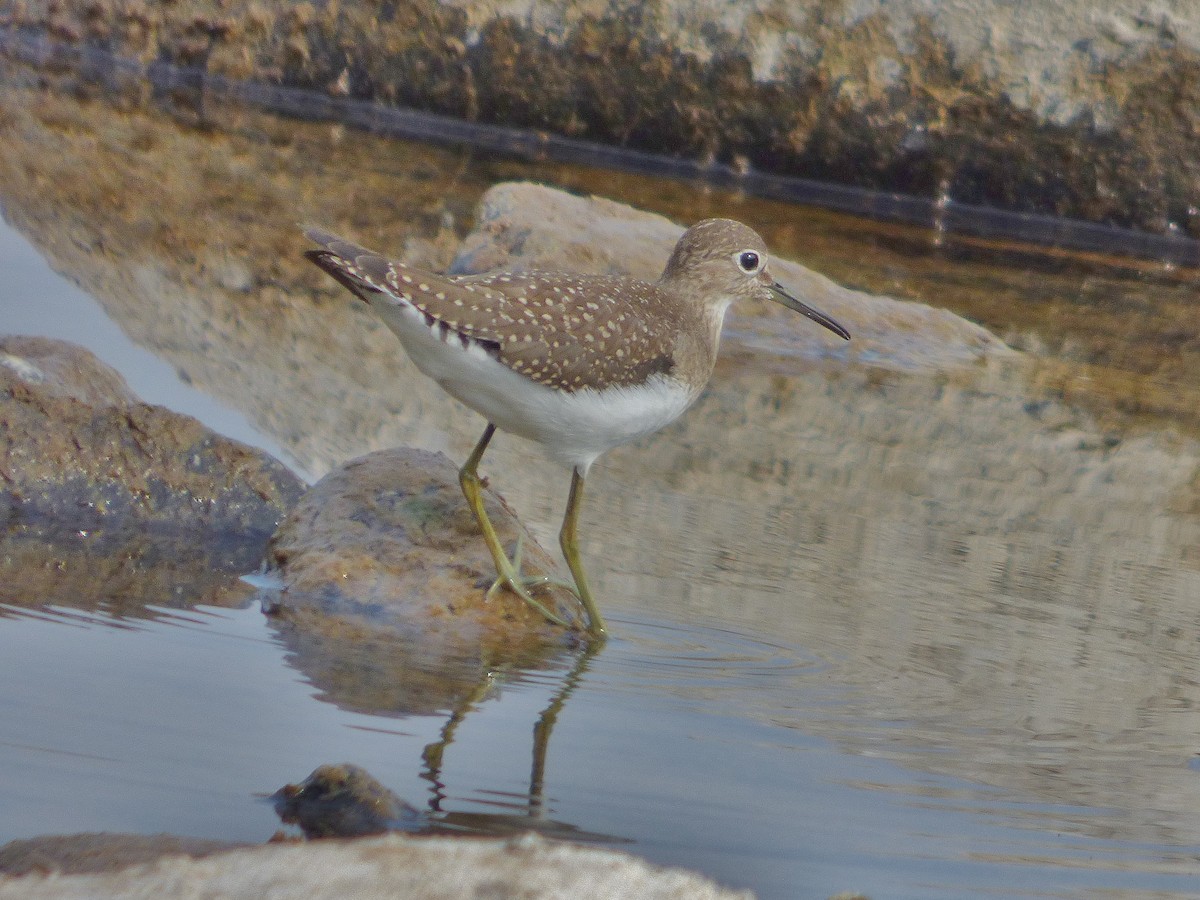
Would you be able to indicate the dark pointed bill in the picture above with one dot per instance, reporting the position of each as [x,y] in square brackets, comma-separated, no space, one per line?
[782,296]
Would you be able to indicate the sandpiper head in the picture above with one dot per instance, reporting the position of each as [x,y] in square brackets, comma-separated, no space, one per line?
[727,261]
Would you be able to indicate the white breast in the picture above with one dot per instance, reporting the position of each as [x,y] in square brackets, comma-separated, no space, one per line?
[574,427]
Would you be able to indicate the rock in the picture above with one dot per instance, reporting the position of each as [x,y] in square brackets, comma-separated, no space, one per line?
[388,538]
[344,801]
[384,574]
[78,854]
[101,490]
[386,867]
[64,371]
[1049,106]
[526,226]
[75,447]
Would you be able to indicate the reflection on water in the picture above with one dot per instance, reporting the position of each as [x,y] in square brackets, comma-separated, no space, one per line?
[165,741]
[919,633]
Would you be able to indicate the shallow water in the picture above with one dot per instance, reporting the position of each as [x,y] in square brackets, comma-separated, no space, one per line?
[179,724]
[914,633]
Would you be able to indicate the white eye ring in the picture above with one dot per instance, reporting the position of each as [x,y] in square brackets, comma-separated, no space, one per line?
[749,261]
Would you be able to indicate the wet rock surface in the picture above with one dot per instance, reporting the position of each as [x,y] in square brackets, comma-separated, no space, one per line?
[110,501]
[343,801]
[384,578]
[76,447]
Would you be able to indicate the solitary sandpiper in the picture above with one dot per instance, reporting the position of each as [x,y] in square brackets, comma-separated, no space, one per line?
[577,363]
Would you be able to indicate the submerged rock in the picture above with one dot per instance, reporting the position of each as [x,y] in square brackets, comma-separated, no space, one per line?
[344,801]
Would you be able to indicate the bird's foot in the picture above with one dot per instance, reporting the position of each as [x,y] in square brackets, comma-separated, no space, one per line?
[509,576]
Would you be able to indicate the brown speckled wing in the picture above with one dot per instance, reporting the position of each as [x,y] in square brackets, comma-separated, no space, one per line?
[577,331]
[567,332]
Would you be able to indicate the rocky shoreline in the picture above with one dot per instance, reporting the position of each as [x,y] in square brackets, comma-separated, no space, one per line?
[1053,107]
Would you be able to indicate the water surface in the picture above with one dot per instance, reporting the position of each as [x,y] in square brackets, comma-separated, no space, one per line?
[921,633]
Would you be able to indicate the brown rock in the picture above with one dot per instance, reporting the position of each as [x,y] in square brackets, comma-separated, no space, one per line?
[384,574]
[1059,107]
[388,867]
[344,801]
[77,854]
[116,502]
[76,447]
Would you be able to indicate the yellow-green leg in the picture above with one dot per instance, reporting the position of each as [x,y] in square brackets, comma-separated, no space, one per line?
[568,539]
[507,572]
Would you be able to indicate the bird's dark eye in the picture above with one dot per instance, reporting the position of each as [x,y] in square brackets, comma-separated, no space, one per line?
[748,260]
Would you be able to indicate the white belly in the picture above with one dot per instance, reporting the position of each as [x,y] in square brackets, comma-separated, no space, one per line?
[574,427]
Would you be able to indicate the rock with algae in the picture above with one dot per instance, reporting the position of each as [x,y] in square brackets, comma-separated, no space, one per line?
[383,579]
